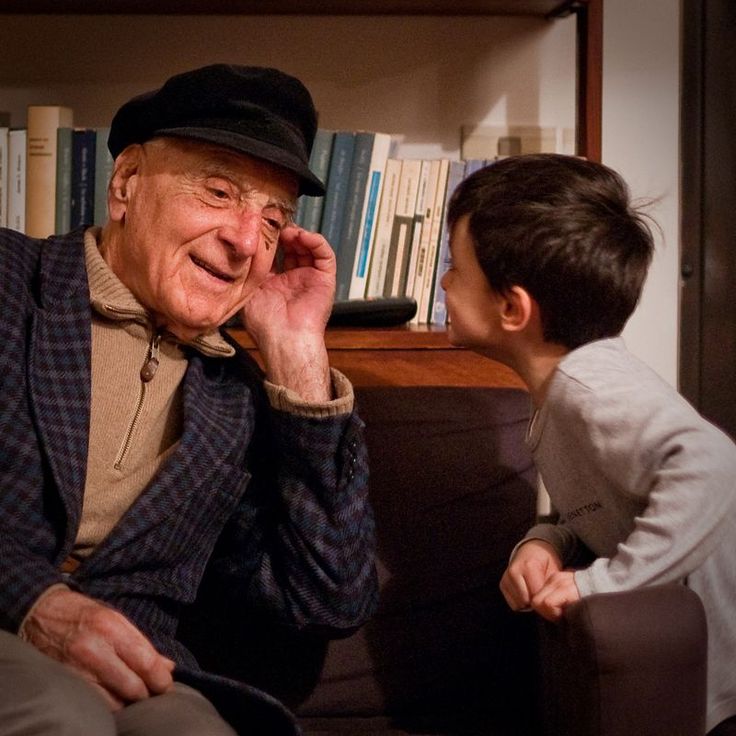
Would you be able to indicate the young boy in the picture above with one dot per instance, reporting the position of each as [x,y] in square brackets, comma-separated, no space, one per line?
[548,262]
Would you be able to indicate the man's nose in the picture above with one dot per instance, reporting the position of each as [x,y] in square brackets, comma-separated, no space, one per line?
[243,233]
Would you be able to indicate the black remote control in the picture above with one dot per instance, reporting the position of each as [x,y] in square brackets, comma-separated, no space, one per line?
[381,311]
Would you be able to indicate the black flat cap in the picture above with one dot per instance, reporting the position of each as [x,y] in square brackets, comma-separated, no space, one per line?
[255,110]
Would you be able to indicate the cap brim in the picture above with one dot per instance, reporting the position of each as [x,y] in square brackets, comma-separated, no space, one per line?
[309,184]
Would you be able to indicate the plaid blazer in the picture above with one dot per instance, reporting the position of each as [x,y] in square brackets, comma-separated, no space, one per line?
[272,505]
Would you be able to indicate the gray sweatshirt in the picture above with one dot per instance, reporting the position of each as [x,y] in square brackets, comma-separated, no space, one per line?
[647,485]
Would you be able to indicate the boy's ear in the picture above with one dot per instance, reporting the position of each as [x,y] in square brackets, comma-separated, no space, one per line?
[517,309]
[119,189]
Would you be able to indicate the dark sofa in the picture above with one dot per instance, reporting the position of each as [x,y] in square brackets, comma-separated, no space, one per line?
[453,490]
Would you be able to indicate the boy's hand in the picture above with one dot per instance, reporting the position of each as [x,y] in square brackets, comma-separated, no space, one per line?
[534,563]
[559,591]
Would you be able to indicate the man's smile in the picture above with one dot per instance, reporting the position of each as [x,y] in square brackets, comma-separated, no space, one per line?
[212,270]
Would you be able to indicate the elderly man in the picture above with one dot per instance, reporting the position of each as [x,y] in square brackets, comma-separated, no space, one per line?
[144,452]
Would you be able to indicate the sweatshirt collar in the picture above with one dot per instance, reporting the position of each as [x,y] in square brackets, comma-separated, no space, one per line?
[112,299]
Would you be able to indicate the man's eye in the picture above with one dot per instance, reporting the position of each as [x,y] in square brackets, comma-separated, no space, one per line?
[219,194]
[273,224]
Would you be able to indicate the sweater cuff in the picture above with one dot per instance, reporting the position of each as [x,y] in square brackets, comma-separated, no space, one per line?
[286,400]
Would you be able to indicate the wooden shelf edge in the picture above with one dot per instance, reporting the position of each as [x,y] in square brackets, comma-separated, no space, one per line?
[405,357]
[372,338]
[282,7]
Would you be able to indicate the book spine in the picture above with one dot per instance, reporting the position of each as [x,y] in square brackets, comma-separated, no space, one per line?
[357,184]
[407,285]
[309,210]
[83,176]
[63,211]
[384,225]
[337,185]
[421,261]
[438,312]
[17,179]
[438,209]
[402,228]
[4,174]
[103,171]
[43,122]
[366,231]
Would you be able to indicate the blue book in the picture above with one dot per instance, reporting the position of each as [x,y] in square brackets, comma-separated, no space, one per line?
[356,188]
[103,171]
[83,176]
[309,210]
[380,152]
[63,205]
[333,211]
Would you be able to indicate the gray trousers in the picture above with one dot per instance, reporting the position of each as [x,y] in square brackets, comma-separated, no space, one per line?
[39,696]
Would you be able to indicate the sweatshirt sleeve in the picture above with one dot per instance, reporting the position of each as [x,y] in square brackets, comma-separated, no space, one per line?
[683,469]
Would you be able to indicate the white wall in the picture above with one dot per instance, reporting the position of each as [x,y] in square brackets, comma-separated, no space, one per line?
[641,91]
[421,76]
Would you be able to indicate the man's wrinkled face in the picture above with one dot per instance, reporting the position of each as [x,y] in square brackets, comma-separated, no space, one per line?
[201,225]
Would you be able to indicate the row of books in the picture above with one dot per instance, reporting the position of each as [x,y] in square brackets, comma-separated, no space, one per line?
[385,217]
[53,176]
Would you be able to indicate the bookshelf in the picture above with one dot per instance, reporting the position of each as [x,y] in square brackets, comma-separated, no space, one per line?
[400,356]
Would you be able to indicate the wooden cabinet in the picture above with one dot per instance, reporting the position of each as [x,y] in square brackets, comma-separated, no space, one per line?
[402,356]
[399,356]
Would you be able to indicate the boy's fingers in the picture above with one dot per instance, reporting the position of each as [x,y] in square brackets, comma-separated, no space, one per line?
[514,590]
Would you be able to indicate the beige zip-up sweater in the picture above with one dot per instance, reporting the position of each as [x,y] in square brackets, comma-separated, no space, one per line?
[135,424]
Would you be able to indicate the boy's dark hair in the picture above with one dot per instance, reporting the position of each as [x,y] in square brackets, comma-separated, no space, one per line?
[563,229]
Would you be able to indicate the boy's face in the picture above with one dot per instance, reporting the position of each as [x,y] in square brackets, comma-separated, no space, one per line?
[472,305]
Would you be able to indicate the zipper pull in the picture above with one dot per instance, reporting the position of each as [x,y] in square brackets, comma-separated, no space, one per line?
[149,367]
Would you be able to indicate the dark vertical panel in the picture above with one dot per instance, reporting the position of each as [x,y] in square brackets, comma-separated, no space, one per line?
[590,79]
[691,168]
[708,335]
[718,363]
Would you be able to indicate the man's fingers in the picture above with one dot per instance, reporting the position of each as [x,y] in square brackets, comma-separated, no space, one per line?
[116,655]
[153,669]
[98,662]
[304,248]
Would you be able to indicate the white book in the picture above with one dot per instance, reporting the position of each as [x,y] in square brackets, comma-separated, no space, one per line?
[416,235]
[403,228]
[4,176]
[379,155]
[423,250]
[17,180]
[43,122]
[430,269]
[384,226]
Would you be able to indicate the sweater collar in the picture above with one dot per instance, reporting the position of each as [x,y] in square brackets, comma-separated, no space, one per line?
[112,299]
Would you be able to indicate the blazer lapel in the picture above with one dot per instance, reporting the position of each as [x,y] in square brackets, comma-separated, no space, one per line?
[59,368]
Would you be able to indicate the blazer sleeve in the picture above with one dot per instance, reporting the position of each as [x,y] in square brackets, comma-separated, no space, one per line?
[302,543]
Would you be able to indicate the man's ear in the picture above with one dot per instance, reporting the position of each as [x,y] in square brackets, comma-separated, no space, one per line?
[518,308]
[119,190]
